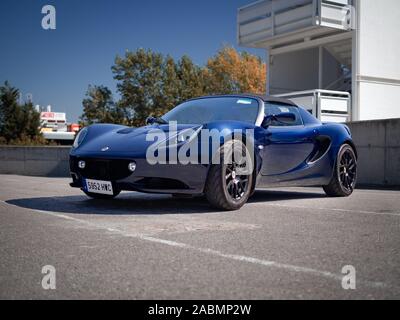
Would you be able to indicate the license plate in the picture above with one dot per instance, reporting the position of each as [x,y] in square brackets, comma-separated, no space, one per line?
[98,186]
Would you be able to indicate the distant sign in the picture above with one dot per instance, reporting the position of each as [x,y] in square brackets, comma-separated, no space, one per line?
[58,116]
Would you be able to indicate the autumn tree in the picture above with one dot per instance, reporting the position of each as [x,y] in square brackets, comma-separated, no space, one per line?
[232,72]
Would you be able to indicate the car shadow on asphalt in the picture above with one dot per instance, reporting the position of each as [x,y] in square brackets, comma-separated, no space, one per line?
[134,203]
[266,195]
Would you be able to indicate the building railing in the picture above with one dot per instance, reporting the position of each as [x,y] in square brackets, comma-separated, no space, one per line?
[264,20]
[326,105]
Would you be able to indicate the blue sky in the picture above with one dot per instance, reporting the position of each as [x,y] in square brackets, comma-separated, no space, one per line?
[56,66]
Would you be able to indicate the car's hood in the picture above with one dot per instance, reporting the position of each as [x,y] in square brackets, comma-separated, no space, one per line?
[126,139]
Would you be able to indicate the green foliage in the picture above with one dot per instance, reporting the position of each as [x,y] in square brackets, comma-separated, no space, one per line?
[171,84]
[151,84]
[148,84]
[19,124]
[9,111]
[24,140]
[99,107]
[191,80]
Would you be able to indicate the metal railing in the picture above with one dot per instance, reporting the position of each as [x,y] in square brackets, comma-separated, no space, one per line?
[267,19]
[326,105]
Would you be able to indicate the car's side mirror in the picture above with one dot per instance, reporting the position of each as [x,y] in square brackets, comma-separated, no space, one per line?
[285,118]
[150,120]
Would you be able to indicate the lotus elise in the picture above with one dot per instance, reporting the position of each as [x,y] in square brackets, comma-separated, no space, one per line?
[288,147]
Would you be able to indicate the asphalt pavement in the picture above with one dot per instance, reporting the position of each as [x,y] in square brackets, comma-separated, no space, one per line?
[284,244]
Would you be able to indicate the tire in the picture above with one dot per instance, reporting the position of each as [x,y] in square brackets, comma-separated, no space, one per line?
[101,196]
[253,185]
[225,189]
[345,174]
[253,191]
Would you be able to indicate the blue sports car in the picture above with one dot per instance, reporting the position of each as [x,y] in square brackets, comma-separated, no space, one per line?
[222,147]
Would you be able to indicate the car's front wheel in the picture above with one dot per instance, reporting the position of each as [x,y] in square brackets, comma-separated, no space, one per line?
[345,174]
[229,183]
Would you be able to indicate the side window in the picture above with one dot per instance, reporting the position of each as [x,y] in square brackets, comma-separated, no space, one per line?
[276,108]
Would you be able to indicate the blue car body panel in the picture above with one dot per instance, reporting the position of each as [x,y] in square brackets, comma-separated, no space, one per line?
[303,155]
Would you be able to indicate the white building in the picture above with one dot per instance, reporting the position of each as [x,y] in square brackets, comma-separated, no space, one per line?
[340,58]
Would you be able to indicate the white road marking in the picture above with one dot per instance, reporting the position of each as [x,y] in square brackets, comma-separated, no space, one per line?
[267,263]
[318,190]
[332,209]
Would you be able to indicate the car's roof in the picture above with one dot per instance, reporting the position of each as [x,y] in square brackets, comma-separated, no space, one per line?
[264,98]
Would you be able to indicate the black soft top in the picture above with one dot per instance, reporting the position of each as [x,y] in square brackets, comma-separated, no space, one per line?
[264,98]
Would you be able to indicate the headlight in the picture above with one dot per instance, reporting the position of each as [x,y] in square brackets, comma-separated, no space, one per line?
[80,137]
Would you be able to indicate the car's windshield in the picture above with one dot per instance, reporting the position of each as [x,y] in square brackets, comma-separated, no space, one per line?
[207,110]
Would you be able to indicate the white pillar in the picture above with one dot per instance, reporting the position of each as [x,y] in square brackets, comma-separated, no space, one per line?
[355,65]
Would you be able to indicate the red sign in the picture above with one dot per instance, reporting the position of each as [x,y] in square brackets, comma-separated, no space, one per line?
[52,116]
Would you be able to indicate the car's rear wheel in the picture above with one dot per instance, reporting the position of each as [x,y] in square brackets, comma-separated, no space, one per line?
[345,175]
[101,196]
[229,183]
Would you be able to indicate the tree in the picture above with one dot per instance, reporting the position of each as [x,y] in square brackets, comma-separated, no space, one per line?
[18,123]
[171,84]
[140,75]
[99,107]
[9,112]
[232,72]
[151,84]
[30,120]
[191,79]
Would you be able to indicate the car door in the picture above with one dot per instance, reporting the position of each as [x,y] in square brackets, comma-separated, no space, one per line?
[285,146]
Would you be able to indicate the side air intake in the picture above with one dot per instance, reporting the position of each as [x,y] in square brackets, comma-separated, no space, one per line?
[323,143]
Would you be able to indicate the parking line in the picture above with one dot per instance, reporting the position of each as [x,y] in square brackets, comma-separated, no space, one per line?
[266,263]
[332,209]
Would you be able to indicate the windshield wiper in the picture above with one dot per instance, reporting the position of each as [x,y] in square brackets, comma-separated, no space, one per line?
[152,120]
[160,120]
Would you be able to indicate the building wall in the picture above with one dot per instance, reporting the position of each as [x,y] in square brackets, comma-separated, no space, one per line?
[35,161]
[378,73]
[298,71]
[294,71]
[378,147]
[331,70]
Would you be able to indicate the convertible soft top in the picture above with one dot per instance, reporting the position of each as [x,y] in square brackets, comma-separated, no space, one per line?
[264,98]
